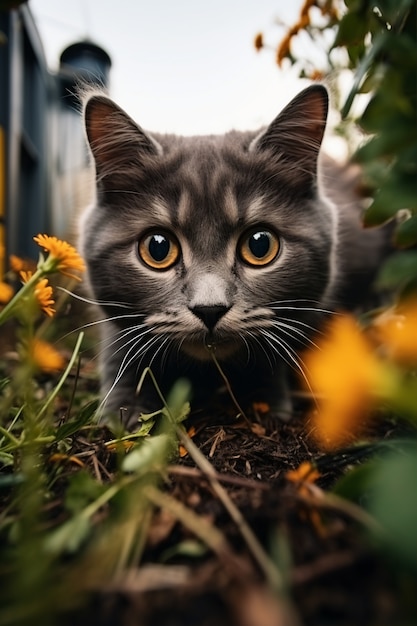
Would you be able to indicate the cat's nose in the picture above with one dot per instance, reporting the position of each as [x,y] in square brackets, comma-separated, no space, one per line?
[210,315]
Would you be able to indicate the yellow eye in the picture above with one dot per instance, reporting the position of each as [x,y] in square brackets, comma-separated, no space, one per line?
[159,250]
[259,247]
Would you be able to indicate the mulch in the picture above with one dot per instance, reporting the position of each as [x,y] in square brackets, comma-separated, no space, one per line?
[333,573]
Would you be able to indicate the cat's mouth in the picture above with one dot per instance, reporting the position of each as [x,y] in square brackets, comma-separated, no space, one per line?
[209,345]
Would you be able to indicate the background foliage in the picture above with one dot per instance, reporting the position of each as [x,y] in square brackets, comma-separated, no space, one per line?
[378,41]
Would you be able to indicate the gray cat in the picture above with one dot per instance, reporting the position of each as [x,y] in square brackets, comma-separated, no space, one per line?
[228,244]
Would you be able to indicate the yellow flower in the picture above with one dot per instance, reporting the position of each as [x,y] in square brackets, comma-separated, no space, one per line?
[6,293]
[396,330]
[305,473]
[44,357]
[304,477]
[43,293]
[345,376]
[18,265]
[62,256]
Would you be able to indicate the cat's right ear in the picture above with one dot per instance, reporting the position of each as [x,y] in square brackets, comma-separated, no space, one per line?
[295,136]
[115,140]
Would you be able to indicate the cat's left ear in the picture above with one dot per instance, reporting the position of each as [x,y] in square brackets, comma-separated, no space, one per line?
[295,136]
[116,141]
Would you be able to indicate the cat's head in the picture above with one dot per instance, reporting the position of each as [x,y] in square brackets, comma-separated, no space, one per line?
[211,239]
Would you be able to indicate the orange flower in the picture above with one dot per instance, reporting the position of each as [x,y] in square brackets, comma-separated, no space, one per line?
[18,265]
[62,256]
[44,357]
[396,330]
[305,473]
[6,293]
[304,476]
[345,375]
[43,293]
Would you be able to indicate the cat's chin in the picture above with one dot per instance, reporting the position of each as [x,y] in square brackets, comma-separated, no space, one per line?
[202,351]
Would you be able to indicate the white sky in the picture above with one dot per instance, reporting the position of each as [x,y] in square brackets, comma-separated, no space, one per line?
[183,66]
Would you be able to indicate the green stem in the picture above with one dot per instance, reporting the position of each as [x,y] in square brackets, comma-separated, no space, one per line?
[106,496]
[8,435]
[7,312]
[63,378]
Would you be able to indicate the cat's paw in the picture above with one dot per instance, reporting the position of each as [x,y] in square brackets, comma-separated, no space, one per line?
[129,416]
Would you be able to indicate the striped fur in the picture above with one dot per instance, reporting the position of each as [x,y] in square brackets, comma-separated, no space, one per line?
[209,193]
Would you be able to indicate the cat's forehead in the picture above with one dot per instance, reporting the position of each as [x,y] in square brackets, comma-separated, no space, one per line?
[215,181]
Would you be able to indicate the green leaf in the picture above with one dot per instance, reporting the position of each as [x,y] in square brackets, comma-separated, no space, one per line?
[82,490]
[392,197]
[406,233]
[69,536]
[84,416]
[189,548]
[399,270]
[178,400]
[391,140]
[393,503]
[392,9]
[352,29]
[390,106]
[149,455]
[355,484]
[362,71]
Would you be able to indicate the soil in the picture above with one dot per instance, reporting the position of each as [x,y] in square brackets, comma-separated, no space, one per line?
[333,573]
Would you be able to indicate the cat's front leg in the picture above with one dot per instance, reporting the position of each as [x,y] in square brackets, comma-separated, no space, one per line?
[121,399]
[275,390]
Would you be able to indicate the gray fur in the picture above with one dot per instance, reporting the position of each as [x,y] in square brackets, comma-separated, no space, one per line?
[208,192]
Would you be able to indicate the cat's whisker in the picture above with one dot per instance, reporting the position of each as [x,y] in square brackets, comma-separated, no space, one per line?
[107,303]
[130,341]
[146,347]
[244,340]
[116,338]
[282,349]
[157,351]
[294,333]
[164,357]
[303,309]
[262,347]
[128,359]
[309,327]
[295,362]
[126,362]
[116,318]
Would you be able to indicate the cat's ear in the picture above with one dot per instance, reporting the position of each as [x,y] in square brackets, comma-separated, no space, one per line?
[295,136]
[115,139]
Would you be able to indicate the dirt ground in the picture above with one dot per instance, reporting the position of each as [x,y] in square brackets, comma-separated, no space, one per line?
[333,574]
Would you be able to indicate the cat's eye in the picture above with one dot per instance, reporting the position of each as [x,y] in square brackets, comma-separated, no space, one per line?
[259,247]
[159,250]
